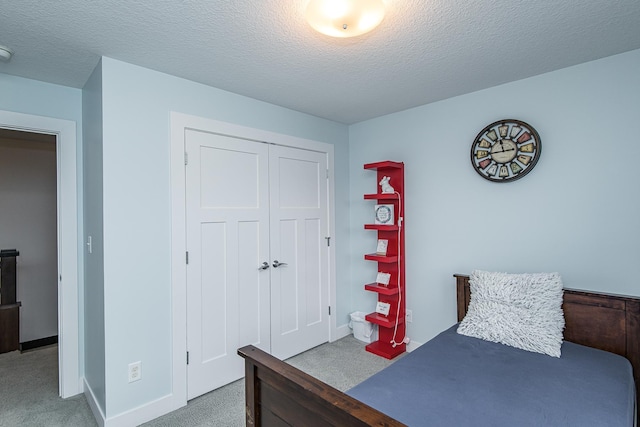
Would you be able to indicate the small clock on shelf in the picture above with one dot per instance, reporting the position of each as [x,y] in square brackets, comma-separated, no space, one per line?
[384,214]
[505,150]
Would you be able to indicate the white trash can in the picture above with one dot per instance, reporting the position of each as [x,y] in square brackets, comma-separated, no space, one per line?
[362,329]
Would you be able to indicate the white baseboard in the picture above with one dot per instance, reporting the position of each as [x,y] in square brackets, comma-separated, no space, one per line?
[143,413]
[133,417]
[341,332]
[93,404]
[413,345]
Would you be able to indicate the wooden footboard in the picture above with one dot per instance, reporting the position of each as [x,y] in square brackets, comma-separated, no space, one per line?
[277,394]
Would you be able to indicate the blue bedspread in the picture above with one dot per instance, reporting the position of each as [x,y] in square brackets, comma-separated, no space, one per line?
[455,380]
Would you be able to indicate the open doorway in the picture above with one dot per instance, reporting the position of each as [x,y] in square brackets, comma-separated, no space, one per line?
[68,265]
[28,223]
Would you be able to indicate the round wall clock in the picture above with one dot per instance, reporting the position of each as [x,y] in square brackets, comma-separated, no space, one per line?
[505,150]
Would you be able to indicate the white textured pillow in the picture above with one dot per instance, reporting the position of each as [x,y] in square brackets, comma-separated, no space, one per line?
[519,310]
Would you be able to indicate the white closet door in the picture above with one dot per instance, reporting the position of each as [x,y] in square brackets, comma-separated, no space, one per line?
[299,224]
[227,211]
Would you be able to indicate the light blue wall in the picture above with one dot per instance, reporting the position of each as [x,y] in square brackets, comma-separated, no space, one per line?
[93,220]
[42,99]
[136,184]
[576,213]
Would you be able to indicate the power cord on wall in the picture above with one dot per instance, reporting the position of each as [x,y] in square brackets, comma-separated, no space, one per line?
[405,339]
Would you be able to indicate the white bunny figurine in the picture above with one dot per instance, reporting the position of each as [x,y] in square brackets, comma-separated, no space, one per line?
[386,187]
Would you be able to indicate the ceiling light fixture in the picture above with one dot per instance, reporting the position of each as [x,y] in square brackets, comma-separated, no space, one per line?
[345,18]
[5,53]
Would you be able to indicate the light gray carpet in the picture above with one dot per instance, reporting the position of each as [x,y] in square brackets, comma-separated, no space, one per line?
[29,392]
[29,389]
[342,364]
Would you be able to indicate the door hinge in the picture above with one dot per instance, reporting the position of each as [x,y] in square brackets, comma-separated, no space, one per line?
[329,310]
[187,257]
[328,241]
[187,357]
[186,158]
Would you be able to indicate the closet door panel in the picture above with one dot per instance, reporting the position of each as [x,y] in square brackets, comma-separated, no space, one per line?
[285,318]
[298,218]
[227,211]
[213,292]
[313,275]
[253,287]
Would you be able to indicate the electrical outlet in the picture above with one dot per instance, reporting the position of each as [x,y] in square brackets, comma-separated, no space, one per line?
[135,371]
[409,316]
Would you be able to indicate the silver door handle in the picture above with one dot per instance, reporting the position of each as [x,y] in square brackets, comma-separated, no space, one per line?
[264,266]
[277,263]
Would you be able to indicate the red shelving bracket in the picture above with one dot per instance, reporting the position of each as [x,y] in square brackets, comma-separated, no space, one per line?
[381,289]
[381,227]
[380,258]
[386,321]
[381,196]
[385,164]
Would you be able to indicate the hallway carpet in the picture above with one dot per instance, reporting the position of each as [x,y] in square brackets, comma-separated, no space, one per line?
[29,392]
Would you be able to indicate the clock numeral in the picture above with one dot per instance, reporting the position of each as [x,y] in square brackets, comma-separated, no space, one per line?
[481,154]
[524,137]
[515,168]
[524,159]
[527,148]
[504,129]
[484,144]
[492,135]
[515,131]
[504,171]
[492,170]
[483,164]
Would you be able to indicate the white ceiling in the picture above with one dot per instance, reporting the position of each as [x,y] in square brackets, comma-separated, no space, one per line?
[424,50]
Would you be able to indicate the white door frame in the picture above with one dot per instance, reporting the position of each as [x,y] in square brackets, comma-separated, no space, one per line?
[68,273]
[179,123]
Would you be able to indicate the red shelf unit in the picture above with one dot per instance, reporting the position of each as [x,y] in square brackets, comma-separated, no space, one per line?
[393,263]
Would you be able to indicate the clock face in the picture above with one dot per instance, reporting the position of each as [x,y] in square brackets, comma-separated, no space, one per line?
[505,150]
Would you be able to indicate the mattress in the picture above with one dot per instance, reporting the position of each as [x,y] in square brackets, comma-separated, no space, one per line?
[458,380]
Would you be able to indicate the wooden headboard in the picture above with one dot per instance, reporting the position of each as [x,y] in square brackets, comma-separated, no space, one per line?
[604,321]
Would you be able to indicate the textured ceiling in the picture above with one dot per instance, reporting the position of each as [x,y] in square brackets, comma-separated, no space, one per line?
[424,50]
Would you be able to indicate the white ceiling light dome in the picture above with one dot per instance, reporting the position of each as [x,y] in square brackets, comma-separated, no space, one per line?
[345,18]
[5,53]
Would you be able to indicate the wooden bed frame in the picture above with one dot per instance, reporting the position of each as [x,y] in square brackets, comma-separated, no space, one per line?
[277,394]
